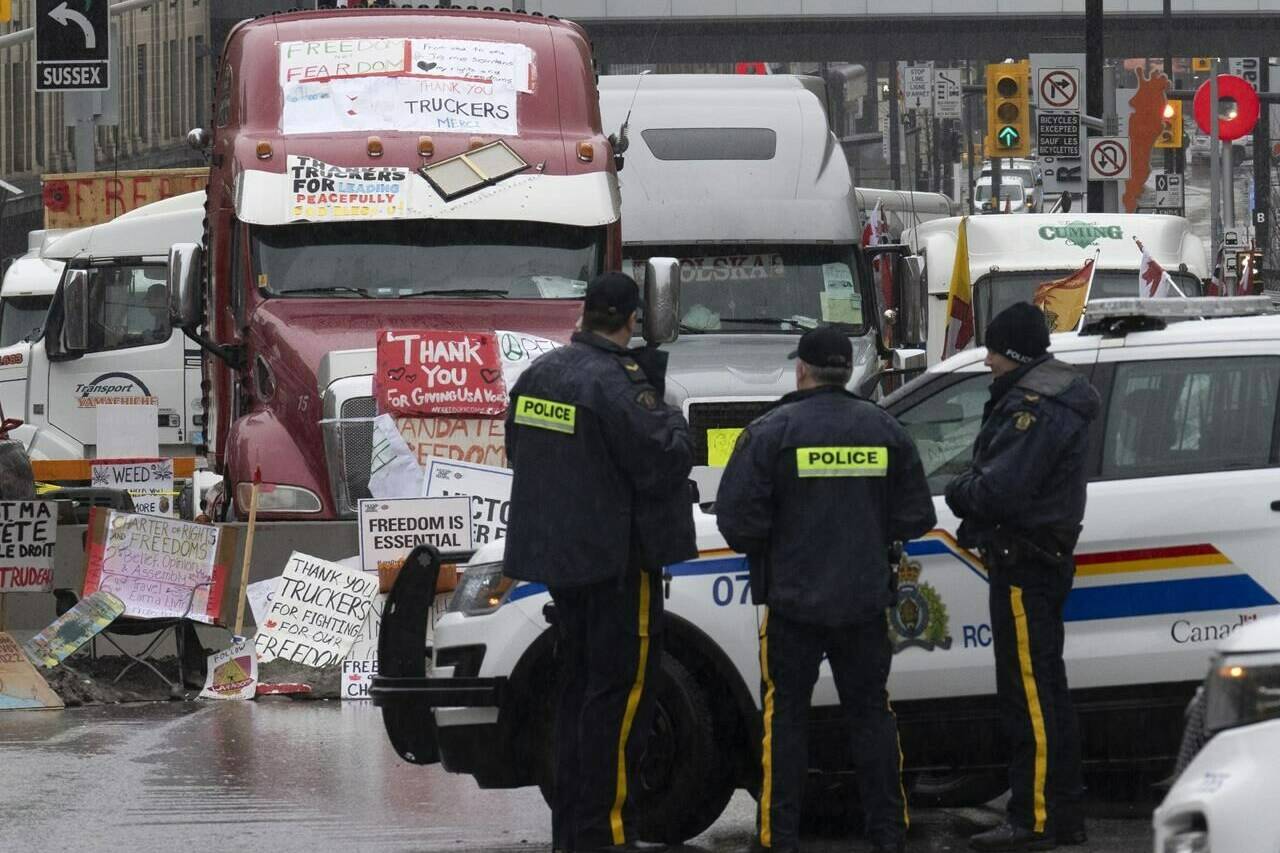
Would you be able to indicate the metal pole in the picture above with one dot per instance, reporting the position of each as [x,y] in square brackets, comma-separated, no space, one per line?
[1228,186]
[1110,189]
[1094,58]
[968,137]
[1262,166]
[1215,170]
[895,151]
[1169,154]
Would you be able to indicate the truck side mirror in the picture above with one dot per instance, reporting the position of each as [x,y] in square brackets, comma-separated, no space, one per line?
[184,285]
[661,300]
[75,310]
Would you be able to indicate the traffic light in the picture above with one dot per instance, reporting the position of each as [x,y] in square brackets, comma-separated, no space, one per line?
[1008,109]
[1171,126]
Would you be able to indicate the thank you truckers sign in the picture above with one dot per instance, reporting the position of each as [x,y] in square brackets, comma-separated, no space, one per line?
[73,45]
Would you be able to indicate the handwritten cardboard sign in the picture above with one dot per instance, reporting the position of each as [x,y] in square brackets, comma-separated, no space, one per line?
[335,193]
[317,614]
[158,566]
[361,663]
[390,529]
[436,372]
[232,673]
[28,532]
[74,628]
[21,686]
[488,487]
[148,481]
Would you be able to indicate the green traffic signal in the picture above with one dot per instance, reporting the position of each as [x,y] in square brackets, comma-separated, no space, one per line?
[1008,136]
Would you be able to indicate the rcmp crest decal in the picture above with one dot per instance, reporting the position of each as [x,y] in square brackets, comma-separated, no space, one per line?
[919,618]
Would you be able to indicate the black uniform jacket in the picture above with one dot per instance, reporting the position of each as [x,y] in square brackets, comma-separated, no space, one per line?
[816,490]
[601,469]
[1029,460]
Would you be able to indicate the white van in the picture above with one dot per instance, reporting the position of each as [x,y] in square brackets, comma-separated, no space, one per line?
[1179,539]
[1009,256]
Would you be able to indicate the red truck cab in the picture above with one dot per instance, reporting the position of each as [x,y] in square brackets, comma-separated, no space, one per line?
[338,205]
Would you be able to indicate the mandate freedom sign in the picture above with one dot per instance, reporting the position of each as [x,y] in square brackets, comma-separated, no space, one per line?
[28,532]
[318,612]
[436,372]
[390,529]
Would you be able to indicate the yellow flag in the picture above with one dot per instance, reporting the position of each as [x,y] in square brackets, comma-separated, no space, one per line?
[1062,300]
[960,298]
[6,11]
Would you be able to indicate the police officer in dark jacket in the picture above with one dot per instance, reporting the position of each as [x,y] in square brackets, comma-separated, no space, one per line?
[1020,503]
[816,492]
[599,503]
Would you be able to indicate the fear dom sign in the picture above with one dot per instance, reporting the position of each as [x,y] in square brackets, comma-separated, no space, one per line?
[434,372]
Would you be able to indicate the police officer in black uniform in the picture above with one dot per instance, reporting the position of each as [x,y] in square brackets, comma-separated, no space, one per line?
[599,503]
[1021,502]
[816,492]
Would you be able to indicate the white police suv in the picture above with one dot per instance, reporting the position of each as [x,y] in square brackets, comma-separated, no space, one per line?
[1182,525]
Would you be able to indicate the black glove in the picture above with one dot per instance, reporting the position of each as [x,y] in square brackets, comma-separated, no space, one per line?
[653,362]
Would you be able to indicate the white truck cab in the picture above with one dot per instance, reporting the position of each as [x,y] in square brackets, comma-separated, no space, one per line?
[1178,545]
[1010,256]
[25,295]
[130,354]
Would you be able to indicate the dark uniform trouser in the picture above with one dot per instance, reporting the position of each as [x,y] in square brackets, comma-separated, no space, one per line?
[609,647]
[1040,722]
[860,655]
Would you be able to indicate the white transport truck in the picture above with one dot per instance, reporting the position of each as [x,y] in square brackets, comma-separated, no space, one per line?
[133,355]
[26,292]
[1010,256]
[740,179]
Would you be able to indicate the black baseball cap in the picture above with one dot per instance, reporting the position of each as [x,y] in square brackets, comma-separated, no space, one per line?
[825,346]
[612,293]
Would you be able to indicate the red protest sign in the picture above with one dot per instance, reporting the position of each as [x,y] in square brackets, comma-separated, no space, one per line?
[435,372]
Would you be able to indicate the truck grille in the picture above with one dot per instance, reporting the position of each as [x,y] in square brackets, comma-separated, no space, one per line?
[720,415]
[357,448]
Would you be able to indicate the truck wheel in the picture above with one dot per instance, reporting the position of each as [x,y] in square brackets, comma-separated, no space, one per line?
[683,782]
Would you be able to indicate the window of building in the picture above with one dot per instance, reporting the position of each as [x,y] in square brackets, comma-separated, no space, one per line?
[1188,416]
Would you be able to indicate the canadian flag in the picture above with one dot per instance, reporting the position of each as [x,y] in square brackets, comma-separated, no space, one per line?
[1153,281]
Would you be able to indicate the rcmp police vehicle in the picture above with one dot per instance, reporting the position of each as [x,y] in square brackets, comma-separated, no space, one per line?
[1178,541]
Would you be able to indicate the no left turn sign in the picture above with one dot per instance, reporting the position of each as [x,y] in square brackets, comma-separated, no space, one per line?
[1109,159]
[1059,89]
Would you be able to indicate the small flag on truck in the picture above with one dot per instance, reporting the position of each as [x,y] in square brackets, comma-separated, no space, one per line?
[960,298]
[1063,300]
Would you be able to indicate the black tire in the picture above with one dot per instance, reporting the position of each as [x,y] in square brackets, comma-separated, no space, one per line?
[684,781]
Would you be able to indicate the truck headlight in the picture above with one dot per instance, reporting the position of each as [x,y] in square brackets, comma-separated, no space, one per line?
[1243,689]
[482,589]
[277,497]
[1188,841]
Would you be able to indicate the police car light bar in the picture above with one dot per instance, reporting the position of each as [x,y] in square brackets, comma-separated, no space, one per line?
[1118,316]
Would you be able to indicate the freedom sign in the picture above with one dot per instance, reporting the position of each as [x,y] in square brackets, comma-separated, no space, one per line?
[435,372]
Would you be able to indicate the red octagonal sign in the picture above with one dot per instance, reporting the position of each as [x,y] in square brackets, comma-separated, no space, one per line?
[1247,107]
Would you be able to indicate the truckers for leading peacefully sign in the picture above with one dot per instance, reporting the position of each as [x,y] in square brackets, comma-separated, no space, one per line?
[73,47]
[432,372]
[390,529]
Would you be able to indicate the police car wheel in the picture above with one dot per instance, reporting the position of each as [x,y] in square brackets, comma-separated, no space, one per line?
[683,781]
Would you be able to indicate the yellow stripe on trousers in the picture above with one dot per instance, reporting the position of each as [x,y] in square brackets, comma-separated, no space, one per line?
[1033,706]
[766,747]
[902,792]
[633,701]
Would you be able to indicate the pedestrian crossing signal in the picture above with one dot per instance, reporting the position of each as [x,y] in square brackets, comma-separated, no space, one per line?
[1008,109]
[1171,126]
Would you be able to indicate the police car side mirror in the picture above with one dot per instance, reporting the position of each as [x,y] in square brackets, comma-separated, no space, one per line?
[184,285]
[661,300]
[75,311]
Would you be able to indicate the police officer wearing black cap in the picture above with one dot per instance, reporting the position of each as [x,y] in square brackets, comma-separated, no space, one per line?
[816,492]
[1020,503]
[599,503]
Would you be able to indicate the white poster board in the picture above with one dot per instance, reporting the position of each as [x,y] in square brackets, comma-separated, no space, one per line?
[149,483]
[127,431]
[390,529]
[318,612]
[28,533]
[488,487]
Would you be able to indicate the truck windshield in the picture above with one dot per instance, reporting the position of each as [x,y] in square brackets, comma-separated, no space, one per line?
[22,318]
[995,292]
[755,288]
[404,258]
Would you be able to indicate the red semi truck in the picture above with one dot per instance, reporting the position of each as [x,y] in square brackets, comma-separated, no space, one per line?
[340,204]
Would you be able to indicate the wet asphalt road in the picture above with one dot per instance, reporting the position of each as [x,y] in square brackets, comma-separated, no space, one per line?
[273,776]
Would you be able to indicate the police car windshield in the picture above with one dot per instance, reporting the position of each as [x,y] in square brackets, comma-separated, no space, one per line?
[995,292]
[753,288]
[22,318]
[406,258]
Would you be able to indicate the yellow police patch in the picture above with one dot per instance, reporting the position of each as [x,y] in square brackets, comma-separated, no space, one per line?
[1022,421]
[842,461]
[546,414]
